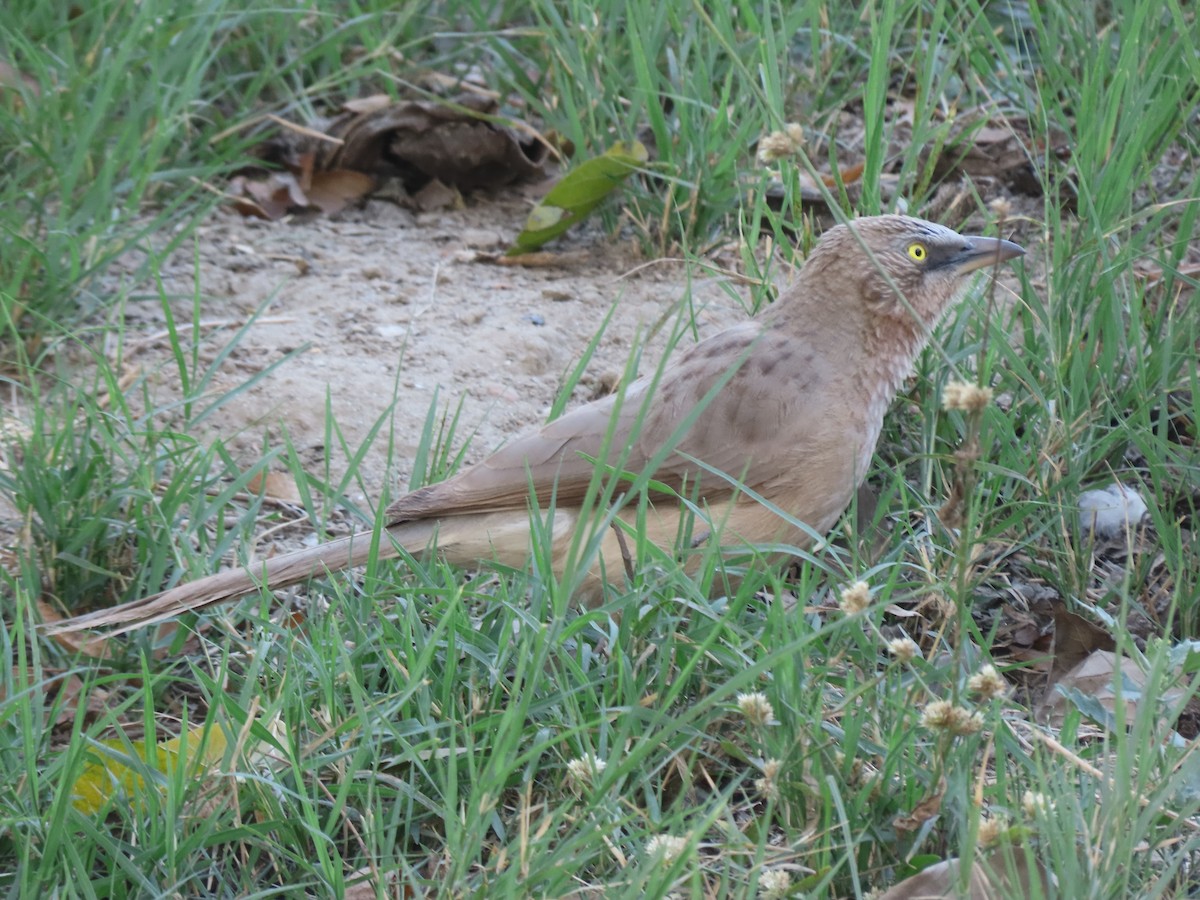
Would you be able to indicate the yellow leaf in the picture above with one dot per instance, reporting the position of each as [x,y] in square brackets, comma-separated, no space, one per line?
[115,774]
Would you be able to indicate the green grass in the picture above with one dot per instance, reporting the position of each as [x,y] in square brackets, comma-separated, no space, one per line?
[429,733]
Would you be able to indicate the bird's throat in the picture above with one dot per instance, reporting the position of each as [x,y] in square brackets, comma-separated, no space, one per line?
[891,352]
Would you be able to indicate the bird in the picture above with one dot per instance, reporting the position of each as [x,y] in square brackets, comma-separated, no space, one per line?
[778,414]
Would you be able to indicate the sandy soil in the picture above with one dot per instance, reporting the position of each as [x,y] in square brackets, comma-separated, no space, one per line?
[390,302]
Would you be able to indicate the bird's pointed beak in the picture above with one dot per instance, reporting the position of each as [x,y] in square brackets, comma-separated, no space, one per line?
[980,252]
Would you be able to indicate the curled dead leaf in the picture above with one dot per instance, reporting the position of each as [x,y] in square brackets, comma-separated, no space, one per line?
[461,144]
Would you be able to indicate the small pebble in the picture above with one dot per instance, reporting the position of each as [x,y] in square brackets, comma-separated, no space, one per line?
[536,318]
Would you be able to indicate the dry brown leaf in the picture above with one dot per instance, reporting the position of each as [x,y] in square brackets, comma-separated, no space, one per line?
[938,882]
[923,812]
[333,191]
[1096,677]
[421,143]
[270,198]
[101,647]
[303,170]
[1075,639]
[848,175]
[278,485]
[418,141]
[366,105]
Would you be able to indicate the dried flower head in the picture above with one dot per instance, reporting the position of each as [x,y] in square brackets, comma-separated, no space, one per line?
[779,144]
[756,708]
[966,397]
[942,715]
[905,649]
[855,598]
[937,715]
[585,769]
[1035,803]
[968,722]
[991,830]
[666,847]
[1001,208]
[768,785]
[774,884]
[987,683]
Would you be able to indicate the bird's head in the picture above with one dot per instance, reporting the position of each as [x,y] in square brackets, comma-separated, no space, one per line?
[903,265]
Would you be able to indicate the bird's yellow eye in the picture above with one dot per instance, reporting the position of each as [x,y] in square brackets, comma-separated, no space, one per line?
[917,252]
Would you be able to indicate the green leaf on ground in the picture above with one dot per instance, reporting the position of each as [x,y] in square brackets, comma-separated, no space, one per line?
[578,194]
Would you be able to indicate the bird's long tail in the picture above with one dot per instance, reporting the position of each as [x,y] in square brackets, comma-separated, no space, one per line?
[230,584]
[503,536]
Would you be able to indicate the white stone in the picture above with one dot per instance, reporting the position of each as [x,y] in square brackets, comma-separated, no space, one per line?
[1111,511]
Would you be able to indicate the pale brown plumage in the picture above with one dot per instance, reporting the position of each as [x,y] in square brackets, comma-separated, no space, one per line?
[795,403]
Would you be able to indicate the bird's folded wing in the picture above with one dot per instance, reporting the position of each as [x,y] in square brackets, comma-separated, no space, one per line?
[716,381]
[556,460]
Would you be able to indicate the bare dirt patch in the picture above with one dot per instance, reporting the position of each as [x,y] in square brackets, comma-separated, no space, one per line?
[394,305]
